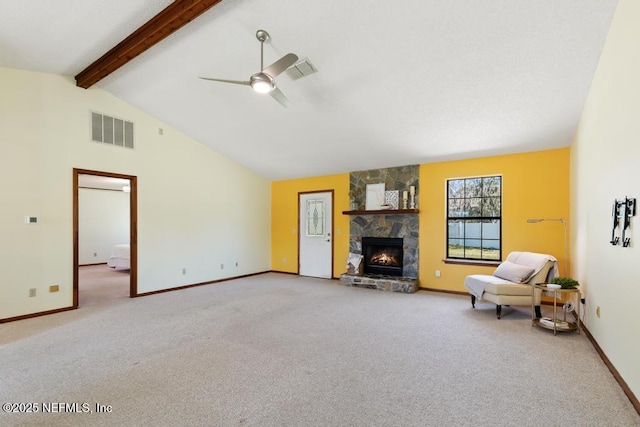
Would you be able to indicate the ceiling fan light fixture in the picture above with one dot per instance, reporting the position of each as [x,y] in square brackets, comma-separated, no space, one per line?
[262,83]
[261,86]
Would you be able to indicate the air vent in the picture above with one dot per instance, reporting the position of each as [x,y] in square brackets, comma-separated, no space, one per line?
[110,130]
[300,69]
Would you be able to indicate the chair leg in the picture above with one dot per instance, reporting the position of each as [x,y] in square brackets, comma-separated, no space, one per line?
[538,313]
[498,310]
[473,301]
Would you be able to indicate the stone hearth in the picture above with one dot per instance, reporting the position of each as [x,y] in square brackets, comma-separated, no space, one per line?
[382,283]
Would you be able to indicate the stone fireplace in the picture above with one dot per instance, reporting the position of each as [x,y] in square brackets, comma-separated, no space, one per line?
[398,228]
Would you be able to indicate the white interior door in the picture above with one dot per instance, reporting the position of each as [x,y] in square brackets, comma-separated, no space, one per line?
[316,241]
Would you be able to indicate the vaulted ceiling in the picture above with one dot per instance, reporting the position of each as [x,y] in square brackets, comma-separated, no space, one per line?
[398,82]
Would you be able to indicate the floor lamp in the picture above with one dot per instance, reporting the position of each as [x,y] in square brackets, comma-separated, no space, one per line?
[564,223]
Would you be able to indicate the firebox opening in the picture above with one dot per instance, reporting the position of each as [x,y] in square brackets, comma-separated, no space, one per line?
[382,255]
[386,256]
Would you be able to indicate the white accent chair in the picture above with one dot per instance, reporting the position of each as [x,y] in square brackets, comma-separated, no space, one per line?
[509,283]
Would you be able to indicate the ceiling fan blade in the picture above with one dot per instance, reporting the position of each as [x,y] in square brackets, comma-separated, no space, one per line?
[281,64]
[237,82]
[279,96]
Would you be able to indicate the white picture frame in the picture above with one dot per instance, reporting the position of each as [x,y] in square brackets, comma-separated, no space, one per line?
[375,196]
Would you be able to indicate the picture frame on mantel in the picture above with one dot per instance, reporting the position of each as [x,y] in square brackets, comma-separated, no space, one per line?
[375,197]
[392,198]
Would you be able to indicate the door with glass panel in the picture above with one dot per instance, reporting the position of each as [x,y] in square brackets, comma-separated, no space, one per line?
[315,234]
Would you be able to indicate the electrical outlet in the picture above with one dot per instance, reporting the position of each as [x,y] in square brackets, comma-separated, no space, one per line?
[32,292]
[236,264]
[437,273]
[221,266]
[184,271]
[95,254]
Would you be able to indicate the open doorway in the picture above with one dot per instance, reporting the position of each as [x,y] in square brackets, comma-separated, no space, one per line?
[104,236]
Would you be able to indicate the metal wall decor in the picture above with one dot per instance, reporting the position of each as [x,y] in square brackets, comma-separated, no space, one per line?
[622,212]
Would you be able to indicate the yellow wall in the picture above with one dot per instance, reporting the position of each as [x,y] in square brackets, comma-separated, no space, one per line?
[534,185]
[284,220]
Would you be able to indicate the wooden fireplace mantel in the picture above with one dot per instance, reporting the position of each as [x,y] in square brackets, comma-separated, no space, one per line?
[383,212]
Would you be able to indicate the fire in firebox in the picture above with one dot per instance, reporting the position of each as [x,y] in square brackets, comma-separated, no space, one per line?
[384,258]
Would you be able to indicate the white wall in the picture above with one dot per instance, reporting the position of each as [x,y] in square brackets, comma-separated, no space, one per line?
[103,221]
[605,167]
[196,209]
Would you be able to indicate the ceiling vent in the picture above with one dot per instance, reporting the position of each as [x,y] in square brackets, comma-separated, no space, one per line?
[112,131]
[300,69]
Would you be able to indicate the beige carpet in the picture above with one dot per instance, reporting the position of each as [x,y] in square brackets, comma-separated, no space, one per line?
[281,350]
[100,283]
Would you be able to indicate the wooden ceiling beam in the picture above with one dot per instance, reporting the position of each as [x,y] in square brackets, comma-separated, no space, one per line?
[172,18]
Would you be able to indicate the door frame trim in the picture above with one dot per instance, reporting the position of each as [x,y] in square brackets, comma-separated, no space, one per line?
[133,228]
[301,193]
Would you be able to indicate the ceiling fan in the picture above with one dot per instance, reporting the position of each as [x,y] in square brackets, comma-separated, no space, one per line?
[264,81]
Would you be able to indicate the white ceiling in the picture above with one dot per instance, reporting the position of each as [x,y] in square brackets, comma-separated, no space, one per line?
[408,82]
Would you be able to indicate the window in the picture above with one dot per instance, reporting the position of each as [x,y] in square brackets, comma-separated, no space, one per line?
[474,218]
[315,218]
